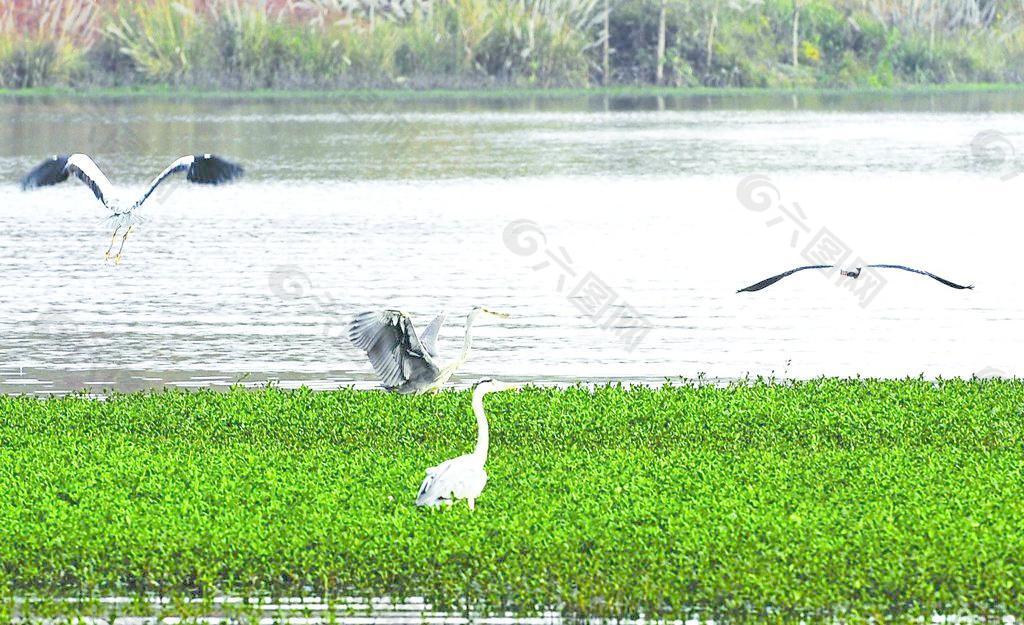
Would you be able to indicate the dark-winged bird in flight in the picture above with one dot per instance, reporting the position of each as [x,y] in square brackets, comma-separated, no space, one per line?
[853,275]
[200,168]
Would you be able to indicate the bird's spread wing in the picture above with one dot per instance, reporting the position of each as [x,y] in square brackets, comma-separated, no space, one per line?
[429,336]
[51,171]
[770,281]
[389,339]
[201,168]
[924,273]
[86,170]
[211,169]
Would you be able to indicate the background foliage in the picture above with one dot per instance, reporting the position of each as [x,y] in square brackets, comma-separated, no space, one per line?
[452,43]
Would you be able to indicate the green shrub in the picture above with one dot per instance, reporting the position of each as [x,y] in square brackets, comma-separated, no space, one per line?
[160,37]
[539,45]
[246,44]
[428,48]
[37,63]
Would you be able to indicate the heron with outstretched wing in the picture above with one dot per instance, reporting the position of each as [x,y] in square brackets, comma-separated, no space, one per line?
[200,168]
[405,361]
[852,274]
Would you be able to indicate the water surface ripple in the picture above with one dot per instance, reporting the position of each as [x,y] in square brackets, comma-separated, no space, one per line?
[638,213]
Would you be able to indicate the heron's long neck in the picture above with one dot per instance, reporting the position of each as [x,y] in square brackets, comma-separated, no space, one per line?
[467,342]
[483,437]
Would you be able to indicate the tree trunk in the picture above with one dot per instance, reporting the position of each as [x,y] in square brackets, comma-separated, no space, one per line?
[796,34]
[659,70]
[931,26]
[606,50]
[712,25]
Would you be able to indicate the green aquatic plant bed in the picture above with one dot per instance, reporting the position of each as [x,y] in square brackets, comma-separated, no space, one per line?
[830,496]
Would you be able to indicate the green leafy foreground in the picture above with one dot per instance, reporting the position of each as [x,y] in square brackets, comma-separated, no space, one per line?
[855,497]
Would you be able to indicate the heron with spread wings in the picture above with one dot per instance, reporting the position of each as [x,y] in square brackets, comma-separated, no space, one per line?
[463,477]
[200,168]
[405,361]
[852,274]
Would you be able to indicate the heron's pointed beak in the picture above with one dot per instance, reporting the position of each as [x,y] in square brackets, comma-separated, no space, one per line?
[495,313]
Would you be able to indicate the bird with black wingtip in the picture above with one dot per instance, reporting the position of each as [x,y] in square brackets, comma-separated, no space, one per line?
[200,168]
[852,274]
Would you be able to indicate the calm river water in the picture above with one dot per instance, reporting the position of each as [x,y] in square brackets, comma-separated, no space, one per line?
[615,231]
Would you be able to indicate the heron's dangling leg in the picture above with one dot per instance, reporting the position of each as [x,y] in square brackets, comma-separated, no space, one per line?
[106,255]
[117,257]
[471,502]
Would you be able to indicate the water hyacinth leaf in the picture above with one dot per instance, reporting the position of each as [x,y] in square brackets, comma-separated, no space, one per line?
[824,497]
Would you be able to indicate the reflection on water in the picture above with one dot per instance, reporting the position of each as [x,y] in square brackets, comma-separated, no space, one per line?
[362,611]
[638,209]
[296,610]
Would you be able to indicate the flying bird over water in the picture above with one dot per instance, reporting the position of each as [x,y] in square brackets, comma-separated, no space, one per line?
[463,477]
[853,275]
[404,361]
[201,168]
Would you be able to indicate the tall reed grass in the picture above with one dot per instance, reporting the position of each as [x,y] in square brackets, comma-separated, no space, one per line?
[44,41]
[263,43]
[336,43]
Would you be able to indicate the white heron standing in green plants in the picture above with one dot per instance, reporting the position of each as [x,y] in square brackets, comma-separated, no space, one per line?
[404,361]
[463,477]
